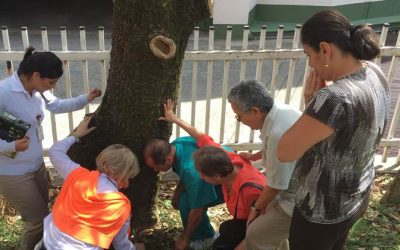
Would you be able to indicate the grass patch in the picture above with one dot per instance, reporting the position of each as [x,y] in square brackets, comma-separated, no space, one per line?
[10,232]
[375,229]
[380,226]
[169,225]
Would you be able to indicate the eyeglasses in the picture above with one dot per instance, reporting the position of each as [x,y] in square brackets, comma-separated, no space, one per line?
[239,117]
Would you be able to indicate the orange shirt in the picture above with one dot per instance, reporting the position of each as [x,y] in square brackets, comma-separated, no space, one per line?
[247,173]
[84,214]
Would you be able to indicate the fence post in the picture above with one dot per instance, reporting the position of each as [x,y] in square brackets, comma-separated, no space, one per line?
[225,83]
[306,72]
[103,73]
[393,63]
[259,66]
[261,46]
[25,38]
[210,65]
[67,73]
[45,45]
[85,70]
[243,64]
[292,64]
[194,77]
[275,67]
[7,47]
[395,120]
[382,40]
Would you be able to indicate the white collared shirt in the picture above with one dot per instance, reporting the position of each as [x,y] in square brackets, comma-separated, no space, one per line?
[279,174]
[15,100]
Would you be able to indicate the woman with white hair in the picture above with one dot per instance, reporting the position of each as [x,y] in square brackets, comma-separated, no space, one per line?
[90,212]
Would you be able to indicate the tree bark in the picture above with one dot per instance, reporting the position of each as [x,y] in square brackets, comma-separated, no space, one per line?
[149,39]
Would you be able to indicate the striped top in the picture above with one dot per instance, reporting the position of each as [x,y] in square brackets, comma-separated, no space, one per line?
[335,174]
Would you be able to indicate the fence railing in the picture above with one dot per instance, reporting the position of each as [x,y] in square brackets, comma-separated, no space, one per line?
[210,68]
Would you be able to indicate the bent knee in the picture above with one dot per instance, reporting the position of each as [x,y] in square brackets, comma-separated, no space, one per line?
[254,232]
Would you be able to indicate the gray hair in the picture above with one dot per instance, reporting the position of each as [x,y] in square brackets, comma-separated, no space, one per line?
[118,162]
[251,93]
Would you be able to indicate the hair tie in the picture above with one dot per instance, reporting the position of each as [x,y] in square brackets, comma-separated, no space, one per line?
[34,51]
[352,30]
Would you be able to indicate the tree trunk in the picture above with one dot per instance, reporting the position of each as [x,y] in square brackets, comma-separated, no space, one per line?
[149,39]
[393,194]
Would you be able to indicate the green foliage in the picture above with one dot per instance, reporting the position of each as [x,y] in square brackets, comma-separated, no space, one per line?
[380,226]
[10,232]
[168,216]
[376,229]
[168,229]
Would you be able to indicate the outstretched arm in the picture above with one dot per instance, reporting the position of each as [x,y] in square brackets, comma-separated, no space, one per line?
[251,157]
[169,116]
[58,152]
[57,105]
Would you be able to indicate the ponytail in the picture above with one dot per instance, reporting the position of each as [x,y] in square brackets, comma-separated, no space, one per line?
[46,63]
[365,42]
[332,27]
[28,52]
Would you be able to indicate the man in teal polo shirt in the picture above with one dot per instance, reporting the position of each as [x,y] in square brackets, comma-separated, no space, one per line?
[192,196]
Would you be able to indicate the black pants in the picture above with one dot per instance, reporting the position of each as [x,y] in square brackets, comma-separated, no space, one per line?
[306,235]
[232,232]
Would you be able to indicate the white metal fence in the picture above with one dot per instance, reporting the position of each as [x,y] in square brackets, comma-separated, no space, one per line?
[210,68]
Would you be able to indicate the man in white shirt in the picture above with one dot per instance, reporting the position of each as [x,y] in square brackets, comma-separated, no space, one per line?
[269,221]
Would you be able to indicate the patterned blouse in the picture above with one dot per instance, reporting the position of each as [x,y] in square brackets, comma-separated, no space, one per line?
[335,174]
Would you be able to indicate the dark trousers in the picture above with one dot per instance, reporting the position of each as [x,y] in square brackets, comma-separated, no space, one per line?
[231,233]
[306,235]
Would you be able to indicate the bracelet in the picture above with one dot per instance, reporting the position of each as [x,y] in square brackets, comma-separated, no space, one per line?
[77,139]
[253,207]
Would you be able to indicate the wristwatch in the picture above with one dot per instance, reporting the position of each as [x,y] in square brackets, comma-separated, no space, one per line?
[77,139]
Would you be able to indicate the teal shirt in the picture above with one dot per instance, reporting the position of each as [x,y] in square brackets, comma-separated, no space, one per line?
[197,193]
[201,193]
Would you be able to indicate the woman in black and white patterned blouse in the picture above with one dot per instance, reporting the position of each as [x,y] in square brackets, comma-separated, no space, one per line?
[336,138]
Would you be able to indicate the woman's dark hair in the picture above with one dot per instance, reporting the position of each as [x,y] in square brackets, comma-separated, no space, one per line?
[46,63]
[212,161]
[332,27]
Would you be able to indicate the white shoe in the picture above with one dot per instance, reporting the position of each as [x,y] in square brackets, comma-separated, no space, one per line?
[205,244]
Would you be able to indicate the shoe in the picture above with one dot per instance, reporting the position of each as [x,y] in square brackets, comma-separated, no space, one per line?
[205,244]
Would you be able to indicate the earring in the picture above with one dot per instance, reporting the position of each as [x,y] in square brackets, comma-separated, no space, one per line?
[326,65]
